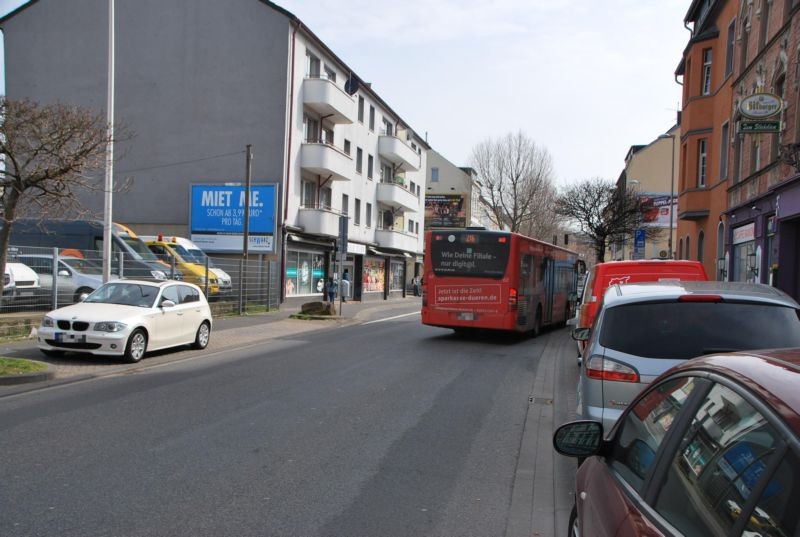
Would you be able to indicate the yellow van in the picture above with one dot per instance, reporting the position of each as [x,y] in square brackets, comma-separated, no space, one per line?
[195,273]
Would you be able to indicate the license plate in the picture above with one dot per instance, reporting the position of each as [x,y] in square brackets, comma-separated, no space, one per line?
[25,292]
[70,338]
[465,316]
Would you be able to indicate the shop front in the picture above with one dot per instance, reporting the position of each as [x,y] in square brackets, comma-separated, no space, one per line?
[306,262]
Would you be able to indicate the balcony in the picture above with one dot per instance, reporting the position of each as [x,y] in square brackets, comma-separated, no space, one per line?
[328,100]
[317,221]
[326,160]
[396,150]
[693,204]
[396,239]
[395,194]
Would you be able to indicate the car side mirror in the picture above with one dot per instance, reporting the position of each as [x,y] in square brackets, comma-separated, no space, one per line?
[167,304]
[579,438]
[581,334]
[63,273]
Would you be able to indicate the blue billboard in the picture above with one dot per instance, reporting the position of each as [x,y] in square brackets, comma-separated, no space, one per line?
[217,218]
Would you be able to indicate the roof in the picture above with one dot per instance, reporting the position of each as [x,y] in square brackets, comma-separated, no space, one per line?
[672,290]
[773,374]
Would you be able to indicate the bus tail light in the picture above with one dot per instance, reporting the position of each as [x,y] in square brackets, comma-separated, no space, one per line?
[602,369]
[512,298]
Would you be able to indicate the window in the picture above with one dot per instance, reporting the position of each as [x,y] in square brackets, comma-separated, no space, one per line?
[386,173]
[645,428]
[721,459]
[188,294]
[706,71]
[410,226]
[330,73]
[729,48]
[416,228]
[171,293]
[745,39]
[360,109]
[755,156]
[368,219]
[327,136]
[370,164]
[312,129]
[434,175]
[387,127]
[325,195]
[312,65]
[702,162]
[309,194]
[774,148]
[688,248]
[701,244]
[775,508]
[347,146]
[721,248]
[359,160]
[371,118]
[345,204]
[357,219]
[723,151]
[764,30]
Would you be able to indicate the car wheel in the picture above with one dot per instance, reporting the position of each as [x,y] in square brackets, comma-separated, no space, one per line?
[81,293]
[574,529]
[52,353]
[202,337]
[136,347]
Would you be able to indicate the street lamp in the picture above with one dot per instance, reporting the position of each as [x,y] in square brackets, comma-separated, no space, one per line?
[671,191]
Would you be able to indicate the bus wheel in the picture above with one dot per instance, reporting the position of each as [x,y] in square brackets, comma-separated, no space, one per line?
[537,323]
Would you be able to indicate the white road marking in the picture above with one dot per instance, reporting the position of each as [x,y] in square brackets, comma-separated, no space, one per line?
[391,318]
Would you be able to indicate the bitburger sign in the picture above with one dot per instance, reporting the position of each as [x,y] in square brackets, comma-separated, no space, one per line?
[761,105]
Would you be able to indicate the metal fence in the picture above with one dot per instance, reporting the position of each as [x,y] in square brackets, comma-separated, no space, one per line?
[233,286]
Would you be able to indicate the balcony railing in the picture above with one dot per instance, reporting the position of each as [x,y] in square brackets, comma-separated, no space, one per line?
[323,96]
[399,152]
[323,158]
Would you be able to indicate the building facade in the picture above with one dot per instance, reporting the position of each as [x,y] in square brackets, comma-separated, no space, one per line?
[452,197]
[198,82]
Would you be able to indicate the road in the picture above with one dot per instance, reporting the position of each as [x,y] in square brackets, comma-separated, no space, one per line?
[383,428]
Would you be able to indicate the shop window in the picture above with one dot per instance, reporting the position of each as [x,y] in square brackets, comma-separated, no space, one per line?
[373,276]
[396,273]
[305,272]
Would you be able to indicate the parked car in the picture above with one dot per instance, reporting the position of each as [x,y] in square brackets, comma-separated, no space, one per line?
[198,256]
[26,281]
[76,278]
[644,329]
[603,275]
[128,318]
[173,253]
[711,448]
[9,288]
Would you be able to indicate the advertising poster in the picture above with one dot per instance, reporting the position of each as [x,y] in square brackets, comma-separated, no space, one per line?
[217,218]
[656,208]
[445,211]
[373,275]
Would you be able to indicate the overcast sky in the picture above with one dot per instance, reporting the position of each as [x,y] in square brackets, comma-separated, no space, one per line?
[584,78]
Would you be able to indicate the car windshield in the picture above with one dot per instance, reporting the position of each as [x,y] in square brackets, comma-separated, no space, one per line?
[682,330]
[83,265]
[130,294]
[198,256]
[139,247]
[183,254]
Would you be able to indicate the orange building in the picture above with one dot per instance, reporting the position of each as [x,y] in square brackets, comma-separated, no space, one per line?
[739,186]
[707,69]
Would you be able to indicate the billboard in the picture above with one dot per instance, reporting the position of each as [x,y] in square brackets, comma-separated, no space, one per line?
[216,220]
[656,209]
[445,210]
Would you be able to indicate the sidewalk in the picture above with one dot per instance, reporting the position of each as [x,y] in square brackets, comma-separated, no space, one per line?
[227,333]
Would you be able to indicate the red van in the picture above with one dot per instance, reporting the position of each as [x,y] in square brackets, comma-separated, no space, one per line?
[603,275]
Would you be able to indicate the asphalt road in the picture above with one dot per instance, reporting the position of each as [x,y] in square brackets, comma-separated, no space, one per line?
[380,429]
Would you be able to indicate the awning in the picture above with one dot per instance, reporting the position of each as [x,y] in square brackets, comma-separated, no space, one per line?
[299,238]
[384,253]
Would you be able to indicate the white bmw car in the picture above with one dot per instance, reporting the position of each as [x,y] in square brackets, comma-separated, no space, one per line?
[129,318]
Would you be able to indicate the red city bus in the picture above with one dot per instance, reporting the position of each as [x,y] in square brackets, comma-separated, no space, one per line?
[497,280]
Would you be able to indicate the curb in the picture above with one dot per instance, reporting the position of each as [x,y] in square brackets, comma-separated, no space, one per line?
[48,374]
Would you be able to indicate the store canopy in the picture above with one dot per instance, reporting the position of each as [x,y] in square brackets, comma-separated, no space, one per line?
[385,253]
[299,238]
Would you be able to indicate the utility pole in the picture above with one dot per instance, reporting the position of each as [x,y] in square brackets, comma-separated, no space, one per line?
[109,179]
[246,235]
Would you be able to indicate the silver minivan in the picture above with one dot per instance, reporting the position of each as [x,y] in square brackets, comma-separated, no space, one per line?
[77,278]
[644,329]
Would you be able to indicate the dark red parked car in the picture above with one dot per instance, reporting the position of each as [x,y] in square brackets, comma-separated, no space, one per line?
[711,447]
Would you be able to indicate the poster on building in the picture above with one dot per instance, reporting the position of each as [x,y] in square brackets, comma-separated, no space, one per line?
[372,279]
[216,221]
[445,210]
[656,209]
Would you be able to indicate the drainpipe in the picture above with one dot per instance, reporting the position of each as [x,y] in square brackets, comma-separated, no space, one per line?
[282,279]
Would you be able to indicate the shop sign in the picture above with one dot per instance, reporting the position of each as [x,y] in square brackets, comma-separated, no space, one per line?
[760,105]
[745,233]
[355,248]
[759,126]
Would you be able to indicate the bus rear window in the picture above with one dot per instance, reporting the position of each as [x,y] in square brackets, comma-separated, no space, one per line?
[470,254]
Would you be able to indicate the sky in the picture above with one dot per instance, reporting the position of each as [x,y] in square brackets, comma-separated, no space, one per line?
[586,79]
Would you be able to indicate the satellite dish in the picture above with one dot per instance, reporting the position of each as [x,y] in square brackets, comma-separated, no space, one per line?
[351,86]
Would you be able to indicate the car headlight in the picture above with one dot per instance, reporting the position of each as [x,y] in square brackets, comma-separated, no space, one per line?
[48,322]
[109,326]
[158,274]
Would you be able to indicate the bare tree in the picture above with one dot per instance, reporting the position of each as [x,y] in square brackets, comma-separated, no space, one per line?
[516,178]
[602,212]
[51,155]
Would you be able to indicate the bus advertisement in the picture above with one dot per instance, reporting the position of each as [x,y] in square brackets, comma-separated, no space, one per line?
[479,279]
